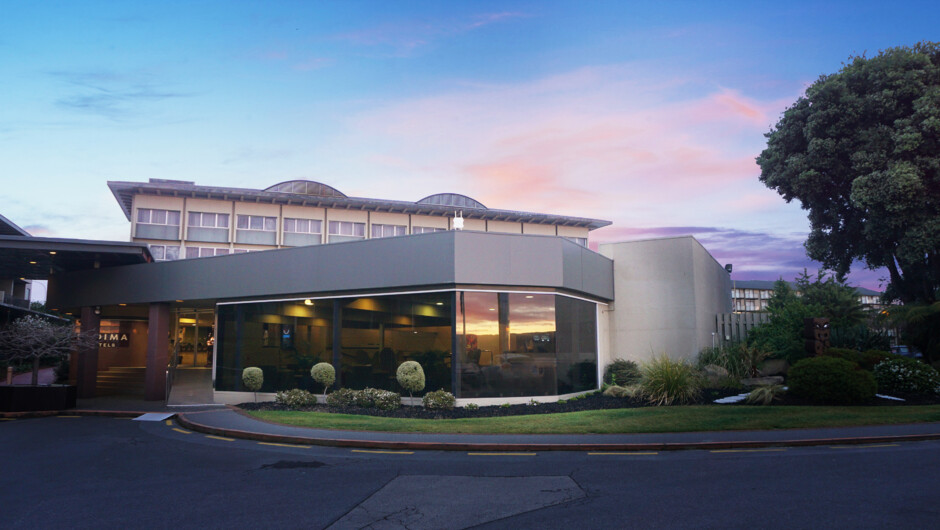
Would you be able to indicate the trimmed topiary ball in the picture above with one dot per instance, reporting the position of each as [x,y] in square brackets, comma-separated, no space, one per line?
[325,374]
[410,376]
[252,378]
[831,380]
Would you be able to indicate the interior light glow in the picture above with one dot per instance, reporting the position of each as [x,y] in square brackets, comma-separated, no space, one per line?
[308,302]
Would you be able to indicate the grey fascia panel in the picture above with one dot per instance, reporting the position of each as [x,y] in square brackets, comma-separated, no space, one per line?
[406,262]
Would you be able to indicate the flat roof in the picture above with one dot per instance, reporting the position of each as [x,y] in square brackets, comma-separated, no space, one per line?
[36,258]
[315,194]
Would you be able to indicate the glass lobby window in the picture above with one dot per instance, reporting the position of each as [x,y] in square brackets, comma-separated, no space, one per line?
[284,339]
[208,220]
[577,344]
[346,231]
[379,333]
[379,230]
[425,229]
[158,217]
[507,344]
[302,226]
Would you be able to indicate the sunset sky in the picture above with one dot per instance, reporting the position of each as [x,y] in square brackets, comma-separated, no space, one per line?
[646,114]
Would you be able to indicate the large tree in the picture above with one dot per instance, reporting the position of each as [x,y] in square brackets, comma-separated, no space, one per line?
[861,152]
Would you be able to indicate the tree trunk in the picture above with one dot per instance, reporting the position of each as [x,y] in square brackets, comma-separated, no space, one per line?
[35,371]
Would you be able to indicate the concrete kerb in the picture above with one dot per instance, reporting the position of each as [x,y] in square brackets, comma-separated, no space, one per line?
[72,412]
[187,422]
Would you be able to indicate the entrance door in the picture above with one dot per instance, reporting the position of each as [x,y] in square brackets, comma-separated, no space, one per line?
[195,337]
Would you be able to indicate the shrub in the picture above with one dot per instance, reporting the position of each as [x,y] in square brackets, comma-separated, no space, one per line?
[439,400]
[341,398]
[325,374]
[622,372]
[667,382]
[471,406]
[907,376]
[831,380]
[374,397]
[866,360]
[410,376]
[253,378]
[765,394]
[617,392]
[296,398]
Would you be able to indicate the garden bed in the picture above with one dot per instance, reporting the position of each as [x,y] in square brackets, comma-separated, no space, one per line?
[594,401]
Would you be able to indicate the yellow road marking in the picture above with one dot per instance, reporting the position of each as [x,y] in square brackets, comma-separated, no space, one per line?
[501,454]
[181,430]
[285,445]
[631,454]
[66,416]
[169,423]
[7,419]
[772,450]
[384,452]
[220,438]
[862,446]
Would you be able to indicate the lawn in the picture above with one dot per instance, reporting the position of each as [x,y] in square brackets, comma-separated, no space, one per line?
[628,420]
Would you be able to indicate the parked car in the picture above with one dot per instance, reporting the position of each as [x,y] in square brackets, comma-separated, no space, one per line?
[907,351]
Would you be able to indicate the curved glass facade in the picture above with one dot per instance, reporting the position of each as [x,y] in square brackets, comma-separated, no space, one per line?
[491,344]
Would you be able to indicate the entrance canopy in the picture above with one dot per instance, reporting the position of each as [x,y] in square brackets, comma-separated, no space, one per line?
[36,258]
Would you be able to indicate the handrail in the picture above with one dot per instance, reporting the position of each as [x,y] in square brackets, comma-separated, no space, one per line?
[171,372]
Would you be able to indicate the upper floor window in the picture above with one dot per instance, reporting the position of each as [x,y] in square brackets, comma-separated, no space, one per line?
[347,229]
[425,229]
[579,240]
[256,222]
[204,252]
[165,252]
[208,220]
[158,217]
[303,226]
[388,230]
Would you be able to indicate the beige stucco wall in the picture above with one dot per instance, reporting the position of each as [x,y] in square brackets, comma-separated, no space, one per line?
[666,295]
[477,225]
[542,230]
[572,231]
[430,221]
[504,227]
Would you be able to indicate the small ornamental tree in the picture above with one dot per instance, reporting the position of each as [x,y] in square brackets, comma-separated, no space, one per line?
[325,374]
[410,376]
[35,339]
[253,378]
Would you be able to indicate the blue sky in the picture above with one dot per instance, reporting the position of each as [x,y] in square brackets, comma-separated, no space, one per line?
[648,114]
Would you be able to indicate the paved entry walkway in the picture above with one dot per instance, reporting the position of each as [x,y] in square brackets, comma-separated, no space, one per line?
[192,386]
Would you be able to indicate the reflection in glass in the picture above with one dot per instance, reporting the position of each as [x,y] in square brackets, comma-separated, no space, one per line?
[379,333]
[284,339]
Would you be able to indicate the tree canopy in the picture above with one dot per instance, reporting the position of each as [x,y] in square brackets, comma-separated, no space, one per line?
[861,152]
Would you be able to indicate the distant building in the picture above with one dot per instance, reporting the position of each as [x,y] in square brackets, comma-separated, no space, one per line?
[750,296]
[180,220]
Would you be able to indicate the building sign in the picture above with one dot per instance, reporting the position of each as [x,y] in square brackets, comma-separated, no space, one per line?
[113,340]
[114,334]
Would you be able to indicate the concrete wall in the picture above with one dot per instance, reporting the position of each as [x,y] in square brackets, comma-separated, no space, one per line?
[667,293]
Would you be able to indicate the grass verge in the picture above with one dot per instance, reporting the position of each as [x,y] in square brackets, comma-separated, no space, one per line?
[633,420]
